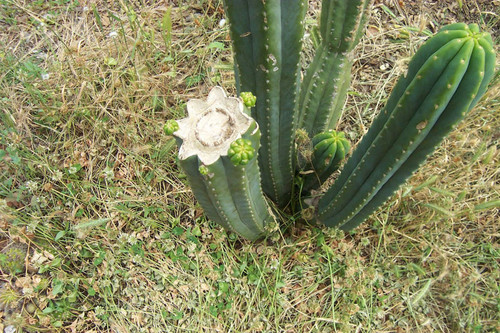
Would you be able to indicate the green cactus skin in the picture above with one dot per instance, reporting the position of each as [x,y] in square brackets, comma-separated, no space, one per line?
[342,23]
[445,79]
[267,41]
[324,89]
[330,148]
[231,194]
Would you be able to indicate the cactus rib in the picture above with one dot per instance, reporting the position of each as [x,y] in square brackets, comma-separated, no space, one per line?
[374,143]
[321,91]
[456,110]
[342,23]
[196,180]
[241,36]
[231,194]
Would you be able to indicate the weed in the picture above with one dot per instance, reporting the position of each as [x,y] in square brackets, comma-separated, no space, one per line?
[12,258]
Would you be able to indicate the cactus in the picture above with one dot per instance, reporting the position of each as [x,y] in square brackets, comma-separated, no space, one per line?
[324,89]
[445,79]
[330,148]
[219,141]
[218,148]
[267,41]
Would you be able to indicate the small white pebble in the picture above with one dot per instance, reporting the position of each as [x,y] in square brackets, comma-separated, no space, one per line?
[85,9]
[222,23]
[9,329]
[113,34]
[45,76]
[41,55]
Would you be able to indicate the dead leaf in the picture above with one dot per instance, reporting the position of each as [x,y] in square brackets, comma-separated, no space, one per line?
[48,187]
[105,20]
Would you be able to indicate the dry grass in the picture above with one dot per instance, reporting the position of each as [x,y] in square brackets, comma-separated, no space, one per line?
[117,242]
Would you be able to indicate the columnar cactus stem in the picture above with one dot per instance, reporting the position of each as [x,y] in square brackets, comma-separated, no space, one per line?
[267,41]
[445,79]
[218,148]
[324,89]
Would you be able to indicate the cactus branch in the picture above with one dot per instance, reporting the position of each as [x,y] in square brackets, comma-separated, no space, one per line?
[267,40]
[329,149]
[324,89]
[443,82]
[218,154]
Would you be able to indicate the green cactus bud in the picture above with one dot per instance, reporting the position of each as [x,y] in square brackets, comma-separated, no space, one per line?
[241,151]
[203,170]
[170,127]
[330,148]
[248,99]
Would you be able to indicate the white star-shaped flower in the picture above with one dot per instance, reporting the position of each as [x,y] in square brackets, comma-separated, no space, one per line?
[211,126]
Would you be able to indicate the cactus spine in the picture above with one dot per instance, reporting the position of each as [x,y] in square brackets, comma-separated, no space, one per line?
[445,79]
[324,89]
[267,41]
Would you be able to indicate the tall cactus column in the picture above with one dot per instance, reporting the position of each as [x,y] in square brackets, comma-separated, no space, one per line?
[445,79]
[218,152]
[324,89]
[267,41]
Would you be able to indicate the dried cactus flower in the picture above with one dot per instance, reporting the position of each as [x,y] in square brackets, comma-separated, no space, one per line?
[211,126]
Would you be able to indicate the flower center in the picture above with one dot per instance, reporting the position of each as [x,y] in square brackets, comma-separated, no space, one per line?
[214,127]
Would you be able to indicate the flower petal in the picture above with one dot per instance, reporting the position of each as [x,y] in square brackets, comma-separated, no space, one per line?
[196,107]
